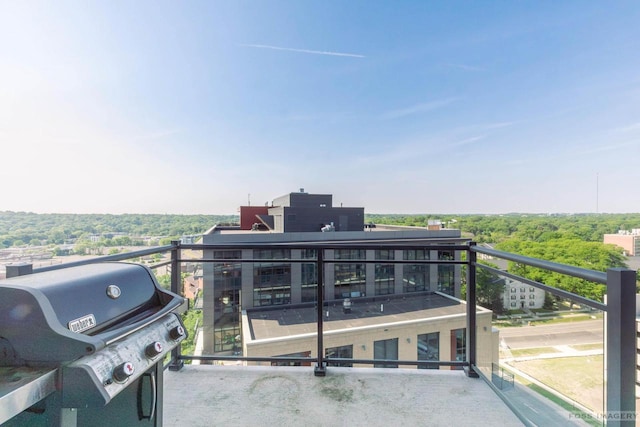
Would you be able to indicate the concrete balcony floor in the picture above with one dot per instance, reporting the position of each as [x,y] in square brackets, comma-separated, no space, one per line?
[207,395]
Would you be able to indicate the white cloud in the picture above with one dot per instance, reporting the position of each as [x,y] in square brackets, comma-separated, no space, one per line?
[467,141]
[313,52]
[419,108]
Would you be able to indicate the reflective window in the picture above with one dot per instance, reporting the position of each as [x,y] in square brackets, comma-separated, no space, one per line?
[459,345]
[349,280]
[429,348]
[384,279]
[271,280]
[415,278]
[386,350]
[342,352]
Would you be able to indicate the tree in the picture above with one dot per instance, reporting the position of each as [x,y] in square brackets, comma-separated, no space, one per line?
[590,255]
[489,289]
[549,301]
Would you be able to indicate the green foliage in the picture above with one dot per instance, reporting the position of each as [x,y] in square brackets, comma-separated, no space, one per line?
[535,227]
[164,280]
[567,239]
[489,289]
[191,319]
[591,255]
[115,230]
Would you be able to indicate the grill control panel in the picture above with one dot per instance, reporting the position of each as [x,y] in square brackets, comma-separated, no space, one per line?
[92,381]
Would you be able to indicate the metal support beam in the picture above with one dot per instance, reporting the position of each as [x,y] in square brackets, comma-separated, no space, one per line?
[620,350]
[321,366]
[471,314]
[176,363]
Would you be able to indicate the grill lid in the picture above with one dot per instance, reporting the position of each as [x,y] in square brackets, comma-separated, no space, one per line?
[67,313]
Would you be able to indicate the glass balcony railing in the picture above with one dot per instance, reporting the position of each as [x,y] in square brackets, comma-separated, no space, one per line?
[398,305]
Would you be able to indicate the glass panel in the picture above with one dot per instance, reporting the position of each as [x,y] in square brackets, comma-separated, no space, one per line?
[350,254]
[386,350]
[458,346]
[271,280]
[549,346]
[415,278]
[350,280]
[299,354]
[190,287]
[446,279]
[384,279]
[415,254]
[309,282]
[429,348]
[342,352]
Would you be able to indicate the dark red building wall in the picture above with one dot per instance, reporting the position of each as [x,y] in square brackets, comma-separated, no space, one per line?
[248,215]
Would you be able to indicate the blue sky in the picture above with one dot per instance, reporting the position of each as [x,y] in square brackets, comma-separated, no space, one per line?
[397,106]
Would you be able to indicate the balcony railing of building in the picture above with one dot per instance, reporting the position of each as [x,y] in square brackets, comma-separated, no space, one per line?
[619,344]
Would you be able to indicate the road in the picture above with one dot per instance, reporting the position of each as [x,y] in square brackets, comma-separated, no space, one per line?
[584,332]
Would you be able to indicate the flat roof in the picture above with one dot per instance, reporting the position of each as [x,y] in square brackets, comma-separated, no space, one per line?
[268,323]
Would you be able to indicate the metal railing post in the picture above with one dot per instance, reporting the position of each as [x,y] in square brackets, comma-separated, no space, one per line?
[176,363]
[321,366]
[471,313]
[621,347]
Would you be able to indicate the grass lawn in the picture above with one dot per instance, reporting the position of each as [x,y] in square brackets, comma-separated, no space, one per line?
[583,347]
[579,378]
[519,352]
[566,319]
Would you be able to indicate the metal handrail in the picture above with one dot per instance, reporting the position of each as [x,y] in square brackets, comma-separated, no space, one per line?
[582,273]
[620,323]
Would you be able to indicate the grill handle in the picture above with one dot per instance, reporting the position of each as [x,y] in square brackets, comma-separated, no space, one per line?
[154,392]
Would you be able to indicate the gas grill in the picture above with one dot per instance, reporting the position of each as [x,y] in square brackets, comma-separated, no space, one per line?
[103,328]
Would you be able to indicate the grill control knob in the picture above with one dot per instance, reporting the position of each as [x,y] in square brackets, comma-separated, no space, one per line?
[122,372]
[153,349]
[176,333]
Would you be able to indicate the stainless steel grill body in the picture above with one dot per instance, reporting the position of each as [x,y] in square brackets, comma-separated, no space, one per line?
[104,328]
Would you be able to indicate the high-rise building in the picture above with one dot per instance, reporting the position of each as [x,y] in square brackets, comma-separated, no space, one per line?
[273,280]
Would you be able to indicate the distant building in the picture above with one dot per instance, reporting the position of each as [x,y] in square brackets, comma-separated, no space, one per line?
[230,287]
[302,212]
[518,296]
[628,241]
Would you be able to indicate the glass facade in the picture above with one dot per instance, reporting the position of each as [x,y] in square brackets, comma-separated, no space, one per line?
[309,277]
[386,350]
[446,273]
[349,279]
[342,352]
[415,277]
[227,278]
[300,354]
[271,280]
[429,348]
[384,273]
[459,345]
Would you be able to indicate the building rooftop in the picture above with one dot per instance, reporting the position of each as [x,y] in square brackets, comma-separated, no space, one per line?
[276,322]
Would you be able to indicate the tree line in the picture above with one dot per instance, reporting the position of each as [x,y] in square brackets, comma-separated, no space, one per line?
[534,227]
[575,240]
[567,239]
[31,229]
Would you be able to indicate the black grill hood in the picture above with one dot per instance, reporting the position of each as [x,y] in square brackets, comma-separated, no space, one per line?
[38,310]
